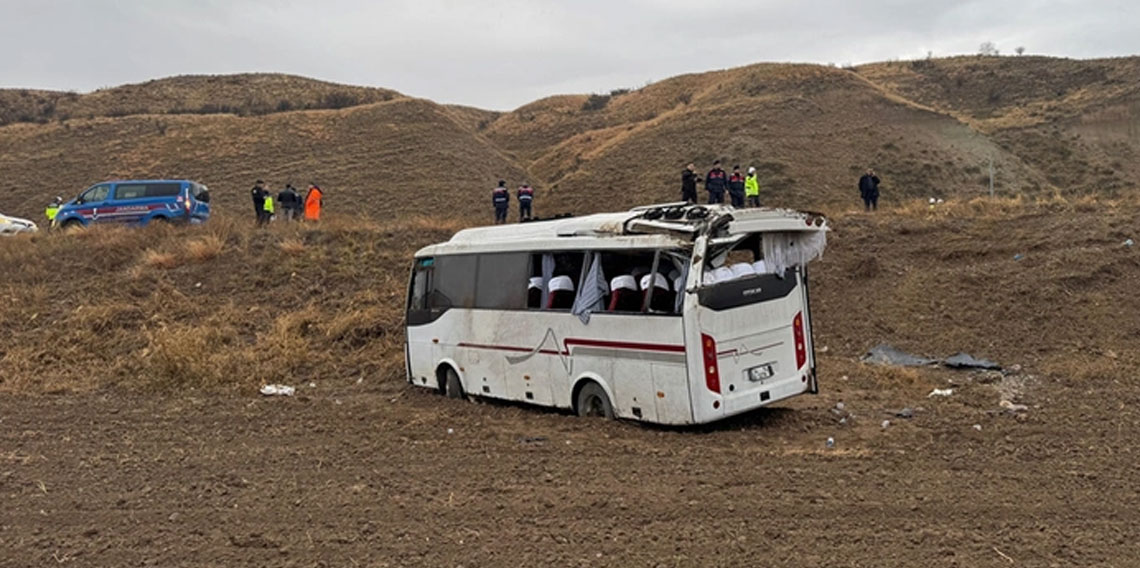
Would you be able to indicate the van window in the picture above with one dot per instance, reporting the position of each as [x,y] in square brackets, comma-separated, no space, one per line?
[96,194]
[143,190]
[200,192]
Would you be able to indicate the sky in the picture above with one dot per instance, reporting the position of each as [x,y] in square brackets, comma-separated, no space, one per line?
[500,54]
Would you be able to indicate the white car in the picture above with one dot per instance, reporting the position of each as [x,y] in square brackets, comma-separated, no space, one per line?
[15,225]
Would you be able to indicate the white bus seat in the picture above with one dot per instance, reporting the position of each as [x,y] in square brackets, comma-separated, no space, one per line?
[561,293]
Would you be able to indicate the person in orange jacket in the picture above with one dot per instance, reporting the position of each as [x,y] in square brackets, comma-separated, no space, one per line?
[313,201]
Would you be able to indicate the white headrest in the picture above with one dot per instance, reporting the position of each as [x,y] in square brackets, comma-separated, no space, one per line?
[678,284]
[535,282]
[561,284]
[623,282]
[660,281]
[722,274]
[760,267]
[741,270]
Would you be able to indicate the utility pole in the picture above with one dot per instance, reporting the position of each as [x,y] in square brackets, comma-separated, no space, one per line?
[991,175]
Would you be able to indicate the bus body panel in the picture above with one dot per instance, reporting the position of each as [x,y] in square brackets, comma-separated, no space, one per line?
[537,357]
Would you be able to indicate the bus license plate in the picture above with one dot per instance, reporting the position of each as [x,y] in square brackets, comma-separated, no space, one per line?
[761,373]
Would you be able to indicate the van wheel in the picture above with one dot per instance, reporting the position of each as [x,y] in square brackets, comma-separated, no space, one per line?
[452,387]
[592,401]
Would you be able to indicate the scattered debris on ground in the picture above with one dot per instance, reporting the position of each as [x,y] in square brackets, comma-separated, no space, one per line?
[278,390]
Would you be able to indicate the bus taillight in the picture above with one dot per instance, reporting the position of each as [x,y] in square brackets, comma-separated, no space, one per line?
[801,345]
[712,372]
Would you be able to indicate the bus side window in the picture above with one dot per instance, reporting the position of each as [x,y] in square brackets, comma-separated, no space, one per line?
[453,284]
[495,287]
[561,272]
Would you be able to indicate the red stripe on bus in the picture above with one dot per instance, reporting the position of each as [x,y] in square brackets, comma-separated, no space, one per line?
[620,345]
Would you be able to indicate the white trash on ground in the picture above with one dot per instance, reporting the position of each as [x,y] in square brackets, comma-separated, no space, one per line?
[940,392]
[1010,406]
[278,390]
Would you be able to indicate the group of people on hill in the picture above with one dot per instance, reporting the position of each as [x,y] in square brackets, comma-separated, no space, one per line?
[739,187]
[501,200]
[743,190]
[293,206]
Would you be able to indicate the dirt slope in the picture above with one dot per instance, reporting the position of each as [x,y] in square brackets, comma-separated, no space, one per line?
[930,128]
[245,94]
[1077,122]
[376,159]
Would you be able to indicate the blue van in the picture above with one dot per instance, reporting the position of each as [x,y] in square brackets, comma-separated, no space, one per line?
[136,202]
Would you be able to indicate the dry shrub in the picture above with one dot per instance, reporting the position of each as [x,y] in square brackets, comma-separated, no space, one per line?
[158,259]
[204,248]
[292,247]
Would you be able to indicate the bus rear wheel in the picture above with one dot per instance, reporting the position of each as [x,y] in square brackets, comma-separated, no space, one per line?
[592,401]
[452,387]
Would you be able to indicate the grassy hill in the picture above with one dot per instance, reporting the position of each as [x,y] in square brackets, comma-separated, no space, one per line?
[929,127]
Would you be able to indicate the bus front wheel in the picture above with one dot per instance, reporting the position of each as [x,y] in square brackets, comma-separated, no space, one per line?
[452,386]
[592,401]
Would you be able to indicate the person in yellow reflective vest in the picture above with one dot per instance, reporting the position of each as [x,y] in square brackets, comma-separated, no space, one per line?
[752,188]
[53,208]
[267,209]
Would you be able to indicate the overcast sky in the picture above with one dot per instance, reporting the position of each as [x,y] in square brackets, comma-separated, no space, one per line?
[500,54]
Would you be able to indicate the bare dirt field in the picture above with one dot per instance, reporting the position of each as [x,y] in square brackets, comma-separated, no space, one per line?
[369,475]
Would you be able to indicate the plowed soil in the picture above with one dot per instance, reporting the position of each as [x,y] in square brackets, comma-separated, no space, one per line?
[380,475]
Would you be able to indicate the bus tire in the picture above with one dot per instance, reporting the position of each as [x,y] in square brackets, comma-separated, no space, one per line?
[452,386]
[593,401]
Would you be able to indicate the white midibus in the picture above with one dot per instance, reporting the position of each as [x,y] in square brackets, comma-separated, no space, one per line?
[672,314]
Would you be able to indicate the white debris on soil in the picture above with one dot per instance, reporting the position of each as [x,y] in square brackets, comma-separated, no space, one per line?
[1012,407]
[278,390]
[978,427]
[940,392]
[831,443]
[886,423]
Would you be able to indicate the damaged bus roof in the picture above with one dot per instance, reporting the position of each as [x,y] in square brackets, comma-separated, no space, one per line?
[655,226]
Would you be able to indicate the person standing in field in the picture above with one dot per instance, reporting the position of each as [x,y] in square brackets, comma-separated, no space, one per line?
[716,181]
[314,200]
[288,200]
[869,190]
[752,188]
[689,179]
[526,202]
[501,199]
[267,209]
[736,187]
[257,194]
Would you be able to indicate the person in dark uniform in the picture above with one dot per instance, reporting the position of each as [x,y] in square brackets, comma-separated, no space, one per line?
[257,194]
[526,201]
[501,199]
[716,182]
[736,187]
[689,179]
[869,190]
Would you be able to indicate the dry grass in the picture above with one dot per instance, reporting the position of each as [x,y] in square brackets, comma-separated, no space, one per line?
[160,259]
[204,249]
[293,246]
